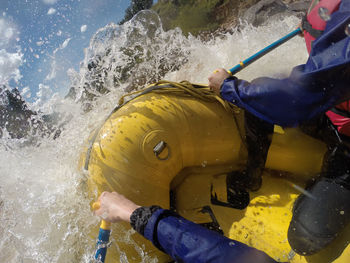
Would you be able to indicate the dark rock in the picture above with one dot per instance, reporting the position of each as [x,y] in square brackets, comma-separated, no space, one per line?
[266,10]
[18,121]
[300,6]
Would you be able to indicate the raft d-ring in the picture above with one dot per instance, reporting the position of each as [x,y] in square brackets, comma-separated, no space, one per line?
[159,148]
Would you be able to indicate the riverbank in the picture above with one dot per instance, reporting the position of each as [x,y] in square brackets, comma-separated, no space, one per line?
[206,17]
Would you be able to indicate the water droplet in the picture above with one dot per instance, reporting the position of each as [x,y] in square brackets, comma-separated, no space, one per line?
[347,30]
[231,243]
[302,190]
[291,255]
[324,13]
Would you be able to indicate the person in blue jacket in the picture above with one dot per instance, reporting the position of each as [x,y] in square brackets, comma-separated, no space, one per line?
[311,88]
[301,100]
[183,240]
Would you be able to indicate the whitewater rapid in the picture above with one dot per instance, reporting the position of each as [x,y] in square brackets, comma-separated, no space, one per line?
[44,208]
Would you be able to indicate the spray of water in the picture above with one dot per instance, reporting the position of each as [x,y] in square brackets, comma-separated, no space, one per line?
[44,208]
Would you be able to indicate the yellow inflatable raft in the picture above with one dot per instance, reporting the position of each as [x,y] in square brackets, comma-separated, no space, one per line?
[181,139]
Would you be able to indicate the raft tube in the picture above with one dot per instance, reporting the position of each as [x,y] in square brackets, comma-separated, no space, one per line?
[174,151]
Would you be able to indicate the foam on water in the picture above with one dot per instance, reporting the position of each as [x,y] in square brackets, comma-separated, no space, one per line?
[44,208]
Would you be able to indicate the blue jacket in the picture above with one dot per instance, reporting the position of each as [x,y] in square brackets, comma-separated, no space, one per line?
[311,89]
[188,242]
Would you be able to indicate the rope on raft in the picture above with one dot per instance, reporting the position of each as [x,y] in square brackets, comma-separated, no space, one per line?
[183,88]
[186,88]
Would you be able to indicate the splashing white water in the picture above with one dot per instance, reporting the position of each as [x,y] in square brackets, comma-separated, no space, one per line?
[44,210]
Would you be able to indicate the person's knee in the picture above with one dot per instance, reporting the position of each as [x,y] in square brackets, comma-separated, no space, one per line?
[303,241]
[318,219]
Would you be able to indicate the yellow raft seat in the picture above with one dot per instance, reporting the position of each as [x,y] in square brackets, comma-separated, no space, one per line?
[181,139]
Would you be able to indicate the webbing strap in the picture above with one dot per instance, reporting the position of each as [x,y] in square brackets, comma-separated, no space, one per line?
[308,28]
[340,112]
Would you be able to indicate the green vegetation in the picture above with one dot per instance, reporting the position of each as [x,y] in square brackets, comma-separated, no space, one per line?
[135,7]
[192,16]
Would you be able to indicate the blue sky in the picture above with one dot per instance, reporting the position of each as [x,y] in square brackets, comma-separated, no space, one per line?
[41,39]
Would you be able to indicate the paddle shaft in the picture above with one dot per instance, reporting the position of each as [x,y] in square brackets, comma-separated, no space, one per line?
[264,51]
[101,245]
[103,237]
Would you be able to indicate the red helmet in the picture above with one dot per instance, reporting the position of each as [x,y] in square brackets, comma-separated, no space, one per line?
[315,21]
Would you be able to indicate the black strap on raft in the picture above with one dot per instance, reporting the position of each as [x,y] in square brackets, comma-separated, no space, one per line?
[214,225]
[237,197]
[340,112]
[305,25]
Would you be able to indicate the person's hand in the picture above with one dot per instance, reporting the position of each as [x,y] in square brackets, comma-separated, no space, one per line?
[216,79]
[115,207]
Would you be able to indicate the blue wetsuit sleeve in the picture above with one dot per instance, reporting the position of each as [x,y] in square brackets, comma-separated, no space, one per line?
[286,102]
[188,242]
[311,89]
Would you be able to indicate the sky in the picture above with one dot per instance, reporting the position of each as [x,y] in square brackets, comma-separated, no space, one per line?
[41,39]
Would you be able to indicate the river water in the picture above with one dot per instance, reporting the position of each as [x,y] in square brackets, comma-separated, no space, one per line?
[44,210]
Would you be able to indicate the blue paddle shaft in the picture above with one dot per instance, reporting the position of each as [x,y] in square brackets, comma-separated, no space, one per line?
[101,245]
[264,51]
